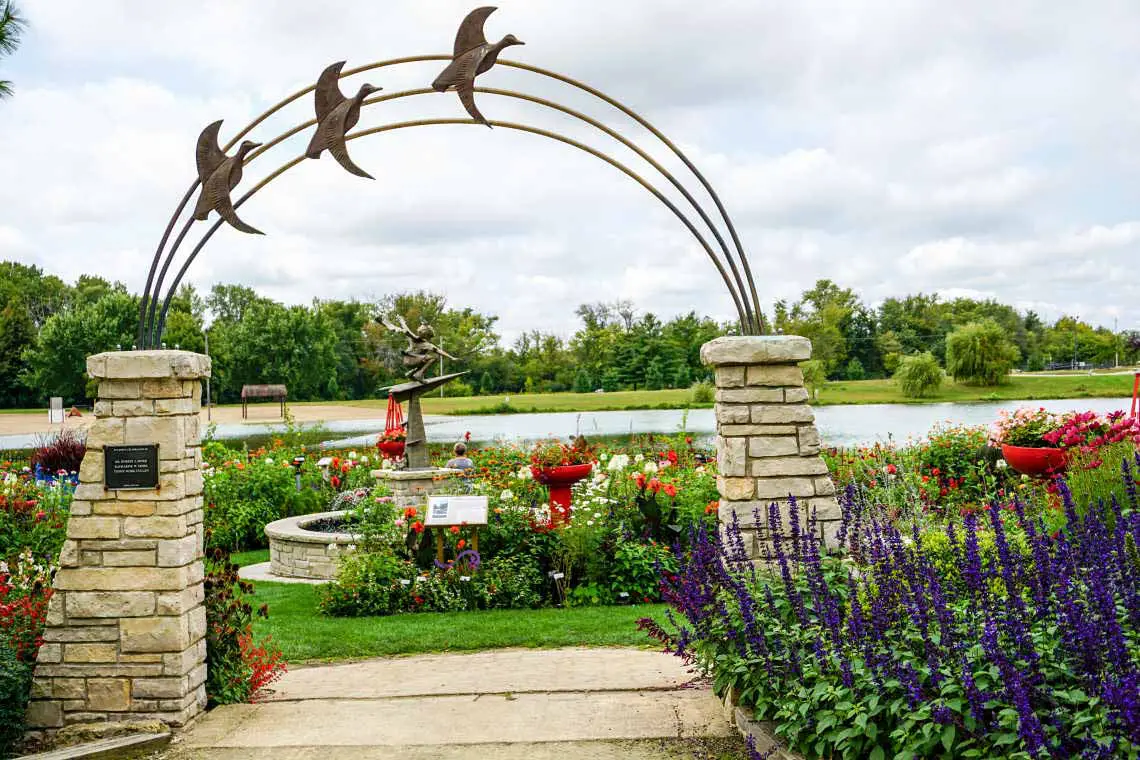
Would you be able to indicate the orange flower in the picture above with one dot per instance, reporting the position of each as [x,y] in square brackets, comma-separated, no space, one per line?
[462,543]
[712,507]
[410,512]
[454,529]
[670,490]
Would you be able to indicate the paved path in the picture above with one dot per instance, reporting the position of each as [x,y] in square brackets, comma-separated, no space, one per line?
[508,704]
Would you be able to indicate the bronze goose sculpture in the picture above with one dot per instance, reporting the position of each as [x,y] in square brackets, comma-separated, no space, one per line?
[472,56]
[336,114]
[219,175]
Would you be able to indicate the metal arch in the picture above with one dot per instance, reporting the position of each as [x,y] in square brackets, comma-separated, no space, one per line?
[268,145]
[431,122]
[748,323]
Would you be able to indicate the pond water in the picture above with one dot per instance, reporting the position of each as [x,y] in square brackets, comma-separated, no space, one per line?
[838,425]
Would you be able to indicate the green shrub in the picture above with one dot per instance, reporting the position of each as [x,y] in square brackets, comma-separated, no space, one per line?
[458,388]
[369,583]
[702,392]
[815,374]
[15,688]
[980,353]
[919,375]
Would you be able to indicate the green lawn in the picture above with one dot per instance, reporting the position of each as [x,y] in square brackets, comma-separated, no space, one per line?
[1019,387]
[306,635]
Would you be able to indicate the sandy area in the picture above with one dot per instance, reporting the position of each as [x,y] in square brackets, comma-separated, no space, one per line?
[37,422]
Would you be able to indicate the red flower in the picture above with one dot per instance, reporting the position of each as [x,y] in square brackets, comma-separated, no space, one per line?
[639,479]
[410,512]
[671,456]
[670,490]
[654,485]
[936,472]
[462,543]
[335,481]
[418,526]
[454,529]
[712,507]
[891,469]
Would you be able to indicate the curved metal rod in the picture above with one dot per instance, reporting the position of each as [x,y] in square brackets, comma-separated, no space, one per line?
[429,122]
[162,276]
[759,326]
[748,325]
[270,144]
[146,322]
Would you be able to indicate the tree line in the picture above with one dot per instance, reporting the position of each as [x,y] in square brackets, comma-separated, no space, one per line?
[336,350]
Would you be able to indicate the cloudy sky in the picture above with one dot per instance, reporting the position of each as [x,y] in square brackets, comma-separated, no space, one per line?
[973,147]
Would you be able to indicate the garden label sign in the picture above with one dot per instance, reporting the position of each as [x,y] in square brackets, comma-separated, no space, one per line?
[126,467]
[456,510]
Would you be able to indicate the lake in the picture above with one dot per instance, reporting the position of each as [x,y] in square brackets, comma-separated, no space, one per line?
[838,425]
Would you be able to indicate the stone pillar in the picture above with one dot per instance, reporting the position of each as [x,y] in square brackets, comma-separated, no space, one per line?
[126,625]
[767,443]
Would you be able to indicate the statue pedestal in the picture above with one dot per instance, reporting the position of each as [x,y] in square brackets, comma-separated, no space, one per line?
[411,488]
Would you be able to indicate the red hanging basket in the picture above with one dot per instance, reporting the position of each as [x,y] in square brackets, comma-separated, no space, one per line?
[1035,462]
[392,443]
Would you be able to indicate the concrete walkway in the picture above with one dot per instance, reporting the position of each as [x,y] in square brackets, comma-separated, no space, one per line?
[565,703]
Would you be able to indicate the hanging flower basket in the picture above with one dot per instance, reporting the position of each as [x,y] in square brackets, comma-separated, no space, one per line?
[391,449]
[393,440]
[1035,462]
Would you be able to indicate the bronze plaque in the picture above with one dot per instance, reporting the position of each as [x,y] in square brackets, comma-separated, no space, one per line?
[130,466]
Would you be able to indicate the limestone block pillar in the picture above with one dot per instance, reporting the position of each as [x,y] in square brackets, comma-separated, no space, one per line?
[767,443]
[126,625]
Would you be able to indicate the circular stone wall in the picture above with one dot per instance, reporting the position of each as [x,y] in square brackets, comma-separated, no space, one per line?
[295,552]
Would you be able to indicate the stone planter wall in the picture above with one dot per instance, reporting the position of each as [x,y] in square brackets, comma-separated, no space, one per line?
[126,625]
[767,443]
[411,488]
[295,552]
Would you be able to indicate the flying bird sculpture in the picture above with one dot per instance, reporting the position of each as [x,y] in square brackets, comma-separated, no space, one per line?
[219,175]
[472,56]
[337,114]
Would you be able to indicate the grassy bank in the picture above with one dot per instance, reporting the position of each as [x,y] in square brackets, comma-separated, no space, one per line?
[1018,387]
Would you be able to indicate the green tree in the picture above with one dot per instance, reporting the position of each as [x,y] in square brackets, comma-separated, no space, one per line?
[57,363]
[17,335]
[654,375]
[918,375]
[980,353]
[582,382]
[682,378]
[854,369]
[12,25]
[815,374]
[273,343]
[611,380]
[486,384]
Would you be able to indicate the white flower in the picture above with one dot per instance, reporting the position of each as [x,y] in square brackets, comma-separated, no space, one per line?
[590,523]
[618,462]
[597,514]
[464,578]
[269,460]
[388,464]
[650,468]
[364,460]
[639,458]
[351,547]
[1001,464]
[405,582]
[506,495]
[524,473]
[353,455]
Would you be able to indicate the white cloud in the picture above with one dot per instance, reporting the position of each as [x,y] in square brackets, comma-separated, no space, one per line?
[890,148]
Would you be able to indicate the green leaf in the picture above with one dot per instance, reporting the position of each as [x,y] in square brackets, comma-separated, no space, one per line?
[948,737]
[877,754]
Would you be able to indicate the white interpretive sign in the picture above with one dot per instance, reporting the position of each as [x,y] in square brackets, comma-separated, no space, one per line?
[55,411]
[456,510]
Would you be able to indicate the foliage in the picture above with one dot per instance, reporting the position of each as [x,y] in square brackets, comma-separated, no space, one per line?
[918,376]
[11,26]
[63,452]
[1029,651]
[702,392]
[238,669]
[15,689]
[57,362]
[1025,427]
[557,454]
[815,374]
[979,353]
[244,493]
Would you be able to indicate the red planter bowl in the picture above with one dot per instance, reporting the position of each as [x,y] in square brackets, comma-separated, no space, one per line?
[558,480]
[1035,462]
[391,449]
